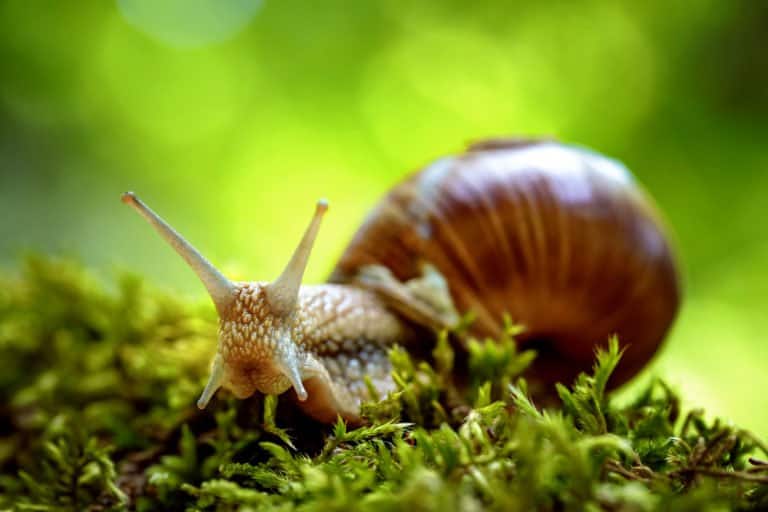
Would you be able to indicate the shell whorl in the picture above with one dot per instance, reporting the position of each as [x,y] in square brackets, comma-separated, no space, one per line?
[560,238]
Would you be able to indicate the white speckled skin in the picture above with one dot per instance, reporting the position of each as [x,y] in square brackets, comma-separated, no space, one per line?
[336,335]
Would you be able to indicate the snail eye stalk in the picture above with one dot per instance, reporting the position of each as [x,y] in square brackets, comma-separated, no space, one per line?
[283,293]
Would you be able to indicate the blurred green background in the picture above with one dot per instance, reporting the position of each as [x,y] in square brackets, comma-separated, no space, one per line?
[232,117]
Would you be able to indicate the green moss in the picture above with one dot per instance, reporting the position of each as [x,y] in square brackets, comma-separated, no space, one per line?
[98,392]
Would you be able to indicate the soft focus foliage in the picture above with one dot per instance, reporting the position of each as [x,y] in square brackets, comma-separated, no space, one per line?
[231,117]
[103,418]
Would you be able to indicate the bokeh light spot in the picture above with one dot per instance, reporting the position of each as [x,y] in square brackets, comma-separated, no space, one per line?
[189,23]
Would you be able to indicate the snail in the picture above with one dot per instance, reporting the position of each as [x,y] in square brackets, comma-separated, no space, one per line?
[560,238]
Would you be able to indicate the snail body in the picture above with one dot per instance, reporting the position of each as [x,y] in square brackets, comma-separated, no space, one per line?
[559,238]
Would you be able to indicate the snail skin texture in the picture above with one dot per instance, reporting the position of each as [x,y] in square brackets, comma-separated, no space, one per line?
[558,237]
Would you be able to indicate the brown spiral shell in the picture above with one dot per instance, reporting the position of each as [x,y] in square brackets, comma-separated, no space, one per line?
[559,237]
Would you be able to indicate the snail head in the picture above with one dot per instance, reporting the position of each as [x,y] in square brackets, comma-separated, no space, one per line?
[257,350]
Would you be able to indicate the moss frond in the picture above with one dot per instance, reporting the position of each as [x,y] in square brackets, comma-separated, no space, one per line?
[99,389]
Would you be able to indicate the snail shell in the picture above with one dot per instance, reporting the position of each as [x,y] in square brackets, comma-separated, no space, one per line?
[560,238]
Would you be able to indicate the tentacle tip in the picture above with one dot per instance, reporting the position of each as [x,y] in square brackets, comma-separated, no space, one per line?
[301,393]
[322,206]
[128,197]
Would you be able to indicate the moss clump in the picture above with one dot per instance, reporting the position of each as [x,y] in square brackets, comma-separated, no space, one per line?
[97,413]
